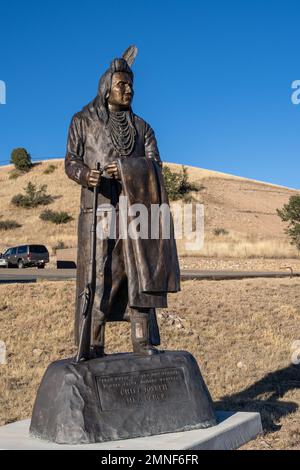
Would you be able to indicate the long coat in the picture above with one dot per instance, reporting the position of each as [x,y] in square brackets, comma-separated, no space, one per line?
[89,143]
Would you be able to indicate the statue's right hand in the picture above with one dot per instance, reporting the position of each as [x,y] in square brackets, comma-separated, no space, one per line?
[94,178]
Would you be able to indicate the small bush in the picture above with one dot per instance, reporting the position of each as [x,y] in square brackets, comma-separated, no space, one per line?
[178,185]
[55,217]
[50,169]
[33,197]
[59,246]
[220,231]
[21,159]
[9,224]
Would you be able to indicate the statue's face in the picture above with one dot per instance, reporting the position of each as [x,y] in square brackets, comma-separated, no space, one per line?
[121,92]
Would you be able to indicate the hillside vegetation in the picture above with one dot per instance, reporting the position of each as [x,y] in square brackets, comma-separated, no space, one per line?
[240,214]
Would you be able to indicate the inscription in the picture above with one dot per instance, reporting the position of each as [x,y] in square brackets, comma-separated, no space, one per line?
[139,388]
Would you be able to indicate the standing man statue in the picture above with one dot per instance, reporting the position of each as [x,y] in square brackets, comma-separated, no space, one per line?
[112,154]
[133,277]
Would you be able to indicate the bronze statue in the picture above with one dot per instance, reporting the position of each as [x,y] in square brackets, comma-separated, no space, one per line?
[113,155]
[108,132]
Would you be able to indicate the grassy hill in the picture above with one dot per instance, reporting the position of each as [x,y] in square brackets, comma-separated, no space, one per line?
[244,210]
[254,322]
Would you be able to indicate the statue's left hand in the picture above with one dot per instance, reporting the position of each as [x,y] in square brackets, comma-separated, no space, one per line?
[112,170]
[94,178]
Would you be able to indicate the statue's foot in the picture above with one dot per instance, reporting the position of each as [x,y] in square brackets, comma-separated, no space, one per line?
[97,351]
[147,350]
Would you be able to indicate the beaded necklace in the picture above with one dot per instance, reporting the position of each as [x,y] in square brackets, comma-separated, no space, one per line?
[122,132]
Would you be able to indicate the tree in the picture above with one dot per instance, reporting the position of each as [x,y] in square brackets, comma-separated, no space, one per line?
[291,213]
[178,185]
[21,159]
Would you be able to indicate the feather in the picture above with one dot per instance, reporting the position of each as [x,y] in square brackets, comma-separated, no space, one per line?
[130,55]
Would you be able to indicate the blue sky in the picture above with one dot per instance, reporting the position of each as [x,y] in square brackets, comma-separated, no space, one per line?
[213,78]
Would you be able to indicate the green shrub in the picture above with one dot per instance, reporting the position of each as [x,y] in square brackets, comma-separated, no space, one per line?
[50,169]
[172,182]
[9,224]
[291,213]
[21,159]
[220,231]
[178,185]
[55,217]
[33,197]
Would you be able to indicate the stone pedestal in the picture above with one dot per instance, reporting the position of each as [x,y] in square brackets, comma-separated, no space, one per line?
[121,396]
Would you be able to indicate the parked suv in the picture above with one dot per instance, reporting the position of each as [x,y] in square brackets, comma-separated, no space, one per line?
[26,255]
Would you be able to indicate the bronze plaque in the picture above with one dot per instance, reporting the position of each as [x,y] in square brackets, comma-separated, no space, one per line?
[140,388]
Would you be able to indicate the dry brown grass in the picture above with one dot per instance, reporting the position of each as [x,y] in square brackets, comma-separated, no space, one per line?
[245,208]
[240,247]
[33,229]
[239,331]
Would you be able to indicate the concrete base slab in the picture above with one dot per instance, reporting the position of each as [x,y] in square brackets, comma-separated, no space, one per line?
[232,431]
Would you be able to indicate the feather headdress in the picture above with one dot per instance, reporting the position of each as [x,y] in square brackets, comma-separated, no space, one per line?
[130,55]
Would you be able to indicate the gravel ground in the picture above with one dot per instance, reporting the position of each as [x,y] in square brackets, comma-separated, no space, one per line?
[252,264]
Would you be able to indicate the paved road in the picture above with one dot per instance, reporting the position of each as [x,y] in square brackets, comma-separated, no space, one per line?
[32,274]
[224,275]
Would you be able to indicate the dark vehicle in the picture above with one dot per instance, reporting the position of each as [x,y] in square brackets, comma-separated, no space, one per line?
[25,255]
